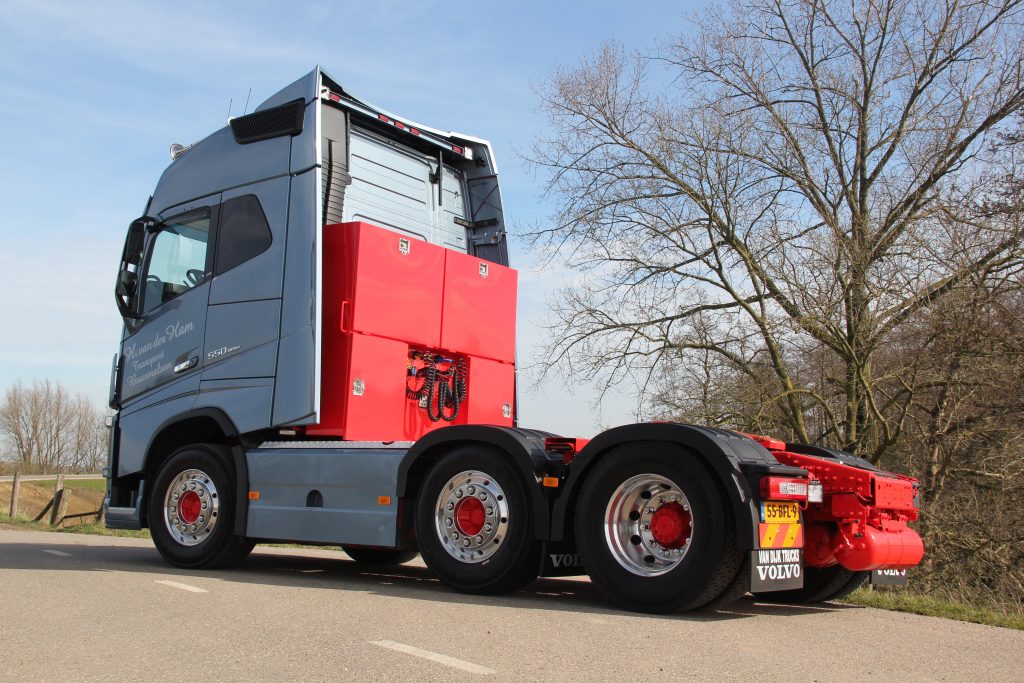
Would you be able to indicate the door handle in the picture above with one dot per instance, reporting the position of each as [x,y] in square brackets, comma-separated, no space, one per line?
[186,364]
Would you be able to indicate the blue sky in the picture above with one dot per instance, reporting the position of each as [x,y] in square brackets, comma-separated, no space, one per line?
[92,94]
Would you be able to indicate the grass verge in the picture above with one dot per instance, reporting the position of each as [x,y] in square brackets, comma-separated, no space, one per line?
[89,484]
[95,529]
[933,607]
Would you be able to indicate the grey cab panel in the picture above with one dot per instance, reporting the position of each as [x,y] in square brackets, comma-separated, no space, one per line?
[296,396]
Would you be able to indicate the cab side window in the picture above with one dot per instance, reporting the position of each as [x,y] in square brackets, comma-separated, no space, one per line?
[177,259]
[242,233]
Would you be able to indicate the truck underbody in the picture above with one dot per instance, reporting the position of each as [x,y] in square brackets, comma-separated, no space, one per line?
[319,347]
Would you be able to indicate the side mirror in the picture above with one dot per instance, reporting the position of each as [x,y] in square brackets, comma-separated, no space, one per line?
[126,288]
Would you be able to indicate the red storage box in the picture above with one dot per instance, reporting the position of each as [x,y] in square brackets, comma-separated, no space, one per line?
[382,283]
[363,393]
[491,398]
[389,302]
[479,310]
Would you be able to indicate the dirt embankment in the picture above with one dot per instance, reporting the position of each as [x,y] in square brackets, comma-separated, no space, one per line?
[33,499]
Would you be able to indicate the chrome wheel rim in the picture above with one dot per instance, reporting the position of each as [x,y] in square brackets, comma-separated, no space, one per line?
[191,507]
[471,516]
[637,505]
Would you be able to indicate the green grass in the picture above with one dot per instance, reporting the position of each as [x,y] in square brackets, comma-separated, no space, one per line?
[933,607]
[89,484]
[91,528]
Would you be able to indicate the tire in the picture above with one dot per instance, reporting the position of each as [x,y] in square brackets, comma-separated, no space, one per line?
[739,587]
[628,559]
[820,584]
[500,557]
[378,556]
[203,535]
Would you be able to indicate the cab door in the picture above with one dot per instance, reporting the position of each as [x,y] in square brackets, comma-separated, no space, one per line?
[163,356]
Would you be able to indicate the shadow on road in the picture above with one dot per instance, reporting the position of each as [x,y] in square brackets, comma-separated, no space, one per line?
[275,568]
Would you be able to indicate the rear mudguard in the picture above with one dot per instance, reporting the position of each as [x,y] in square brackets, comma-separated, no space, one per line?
[523,447]
[737,461]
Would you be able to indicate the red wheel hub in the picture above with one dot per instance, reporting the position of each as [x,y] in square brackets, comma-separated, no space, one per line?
[469,516]
[671,525]
[189,506]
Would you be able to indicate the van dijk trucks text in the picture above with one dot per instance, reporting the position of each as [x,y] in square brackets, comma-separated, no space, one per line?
[319,347]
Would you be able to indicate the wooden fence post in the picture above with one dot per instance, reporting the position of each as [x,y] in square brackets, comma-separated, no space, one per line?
[60,502]
[15,490]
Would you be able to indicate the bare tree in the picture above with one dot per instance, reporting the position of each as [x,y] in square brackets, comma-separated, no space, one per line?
[816,175]
[50,430]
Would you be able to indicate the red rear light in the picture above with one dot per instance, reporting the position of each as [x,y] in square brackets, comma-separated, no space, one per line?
[383,118]
[783,488]
[457,149]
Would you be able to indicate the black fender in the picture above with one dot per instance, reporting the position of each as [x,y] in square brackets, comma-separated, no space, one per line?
[230,432]
[523,447]
[738,461]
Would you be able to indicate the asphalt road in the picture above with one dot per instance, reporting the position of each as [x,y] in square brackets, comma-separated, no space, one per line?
[88,607]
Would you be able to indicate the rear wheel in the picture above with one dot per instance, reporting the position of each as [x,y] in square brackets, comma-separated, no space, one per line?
[474,523]
[820,584]
[379,556]
[192,509]
[655,532]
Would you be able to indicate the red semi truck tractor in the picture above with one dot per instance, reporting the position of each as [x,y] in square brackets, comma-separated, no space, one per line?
[319,347]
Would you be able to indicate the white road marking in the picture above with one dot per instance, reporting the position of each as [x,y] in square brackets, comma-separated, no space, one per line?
[434,657]
[183,586]
[58,553]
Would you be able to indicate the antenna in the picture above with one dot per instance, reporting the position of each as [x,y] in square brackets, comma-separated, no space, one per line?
[247,102]
[230,102]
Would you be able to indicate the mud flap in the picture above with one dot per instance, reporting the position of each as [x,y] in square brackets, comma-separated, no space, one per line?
[561,559]
[889,577]
[778,569]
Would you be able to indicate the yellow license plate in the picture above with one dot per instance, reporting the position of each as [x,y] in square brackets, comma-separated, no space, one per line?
[780,513]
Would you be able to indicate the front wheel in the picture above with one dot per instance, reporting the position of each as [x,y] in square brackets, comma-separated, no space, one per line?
[654,531]
[192,509]
[474,523]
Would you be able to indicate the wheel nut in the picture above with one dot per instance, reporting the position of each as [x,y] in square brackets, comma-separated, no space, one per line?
[201,492]
[184,486]
[176,496]
[451,506]
[455,536]
[448,523]
[490,510]
[201,519]
[482,496]
[458,494]
[479,540]
[471,490]
[465,543]
[194,527]
[204,505]
[488,527]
